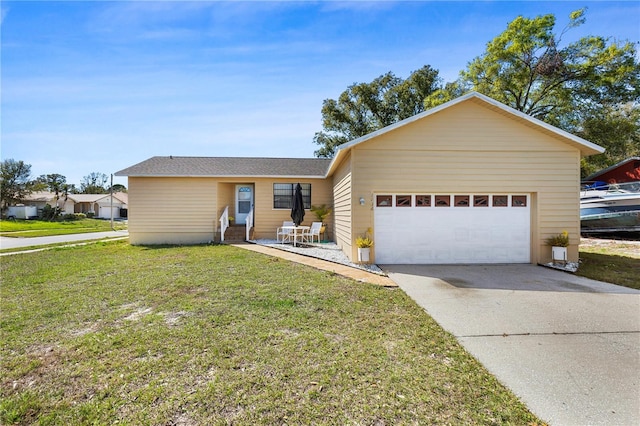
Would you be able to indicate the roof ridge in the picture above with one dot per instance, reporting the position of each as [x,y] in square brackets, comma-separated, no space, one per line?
[229,166]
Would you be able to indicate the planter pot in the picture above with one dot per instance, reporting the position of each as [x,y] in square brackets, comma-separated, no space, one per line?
[363,254]
[559,254]
[322,236]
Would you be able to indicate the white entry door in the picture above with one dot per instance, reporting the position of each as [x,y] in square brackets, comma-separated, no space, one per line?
[244,202]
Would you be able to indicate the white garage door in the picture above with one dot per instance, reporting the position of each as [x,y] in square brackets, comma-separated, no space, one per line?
[452,228]
[105,213]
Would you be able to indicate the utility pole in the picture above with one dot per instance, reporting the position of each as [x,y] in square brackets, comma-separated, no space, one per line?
[111,196]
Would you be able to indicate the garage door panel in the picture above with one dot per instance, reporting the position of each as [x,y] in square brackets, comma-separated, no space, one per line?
[433,235]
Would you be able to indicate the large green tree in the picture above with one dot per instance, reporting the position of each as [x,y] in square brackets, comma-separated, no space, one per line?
[14,181]
[527,68]
[584,87]
[367,107]
[118,187]
[52,182]
[94,183]
[57,184]
[615,128]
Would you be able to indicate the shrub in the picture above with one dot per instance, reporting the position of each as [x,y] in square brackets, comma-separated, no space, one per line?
[91,215]
[364,242]
[560,240]
[48,212]
[73,216]
[321,211]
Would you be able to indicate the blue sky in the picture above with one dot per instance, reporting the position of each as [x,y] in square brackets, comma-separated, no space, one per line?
[97,86]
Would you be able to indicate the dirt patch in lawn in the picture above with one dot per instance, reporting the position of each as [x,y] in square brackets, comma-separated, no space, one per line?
[628,248]
[173,318]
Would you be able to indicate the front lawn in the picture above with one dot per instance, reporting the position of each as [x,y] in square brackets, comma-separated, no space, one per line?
[110,333]
[43,228]
[612,261]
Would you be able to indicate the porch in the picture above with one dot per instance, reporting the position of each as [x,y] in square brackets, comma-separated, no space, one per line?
[254,209]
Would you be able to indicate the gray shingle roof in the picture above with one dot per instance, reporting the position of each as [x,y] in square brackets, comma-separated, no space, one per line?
[228,166]
[78,198]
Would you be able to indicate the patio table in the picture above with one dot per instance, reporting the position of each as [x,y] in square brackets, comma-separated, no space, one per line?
[295,230]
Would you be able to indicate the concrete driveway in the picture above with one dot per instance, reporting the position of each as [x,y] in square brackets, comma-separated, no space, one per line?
[569,347]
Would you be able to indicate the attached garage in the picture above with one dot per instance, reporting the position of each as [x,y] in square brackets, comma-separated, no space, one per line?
[452,228]
[470,181]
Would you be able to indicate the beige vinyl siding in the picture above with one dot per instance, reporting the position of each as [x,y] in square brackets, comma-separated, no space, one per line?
[449,129]
[342,206]
[268,219]
[469,148]
[186,210]
[225,198]
[363,185]
[171,210]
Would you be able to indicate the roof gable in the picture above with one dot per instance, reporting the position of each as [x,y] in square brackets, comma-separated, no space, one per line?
[95,198]
[585,147]
[621,164]
[173,166]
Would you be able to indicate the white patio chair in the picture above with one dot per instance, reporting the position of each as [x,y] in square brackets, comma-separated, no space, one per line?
[284,235]
[314,231]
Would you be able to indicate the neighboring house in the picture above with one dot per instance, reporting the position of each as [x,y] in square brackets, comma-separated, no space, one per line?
[625,171]
[98,204]
[470,181]
[40,199]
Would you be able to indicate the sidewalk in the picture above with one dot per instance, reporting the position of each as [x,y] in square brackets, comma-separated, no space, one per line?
[344,270]
[12,243]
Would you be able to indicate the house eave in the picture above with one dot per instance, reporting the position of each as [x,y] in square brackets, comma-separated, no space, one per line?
[224,176]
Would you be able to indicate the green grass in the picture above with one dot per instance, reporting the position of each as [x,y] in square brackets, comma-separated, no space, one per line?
[54,245]
[110,333]
[617,264]
[41,228]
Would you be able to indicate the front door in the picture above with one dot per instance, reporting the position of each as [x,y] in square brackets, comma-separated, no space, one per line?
[244,202]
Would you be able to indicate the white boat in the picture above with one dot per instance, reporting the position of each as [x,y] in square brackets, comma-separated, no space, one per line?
[610,208]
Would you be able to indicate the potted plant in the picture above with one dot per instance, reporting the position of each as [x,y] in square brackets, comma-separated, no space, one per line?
[364,248]
[321,212]
[559,244]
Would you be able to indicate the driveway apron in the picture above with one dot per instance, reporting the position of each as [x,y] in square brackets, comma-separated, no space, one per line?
[568,346]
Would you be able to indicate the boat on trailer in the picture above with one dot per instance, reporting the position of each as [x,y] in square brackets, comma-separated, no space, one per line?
[609,208]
